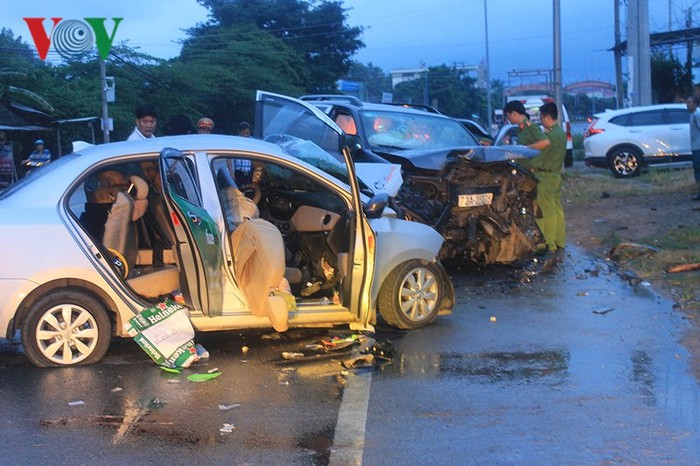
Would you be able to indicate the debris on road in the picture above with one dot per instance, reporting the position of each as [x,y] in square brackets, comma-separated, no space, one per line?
[227,428]
[244,349]
[493,319]
[203,377]
[292,355]
[603,311]
[76,403]
[630,249]
[227,407]
[117,389]
[683,268]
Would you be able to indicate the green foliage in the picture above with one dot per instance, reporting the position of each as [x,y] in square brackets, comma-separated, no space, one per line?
[374,78]
[453,93]
[316,30]
[670,80]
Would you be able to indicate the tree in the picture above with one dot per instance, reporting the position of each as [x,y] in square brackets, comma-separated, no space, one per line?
[316,30]
[670,80]
[375,80]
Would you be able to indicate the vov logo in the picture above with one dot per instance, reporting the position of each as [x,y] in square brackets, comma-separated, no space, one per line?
[72,38]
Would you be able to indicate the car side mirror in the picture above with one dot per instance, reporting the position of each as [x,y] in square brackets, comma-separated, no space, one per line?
[375,207]
[353,141]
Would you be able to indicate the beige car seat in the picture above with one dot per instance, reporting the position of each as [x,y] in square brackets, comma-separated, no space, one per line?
[121,238]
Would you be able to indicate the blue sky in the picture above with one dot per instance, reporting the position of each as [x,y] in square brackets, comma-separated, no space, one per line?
[404,33]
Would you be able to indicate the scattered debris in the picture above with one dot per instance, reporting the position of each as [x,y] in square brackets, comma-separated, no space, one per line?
[202,353]
[631,249]
[683,268]
[292,355]
[271,336]
[211,371]
[173,381]
[363,360]
[244,349]
[582,293]
[493,319]
[170,370]
[203,377]
[645,284]
[227,428]
[603,311]
[76,403]
[227,407]
[117,389]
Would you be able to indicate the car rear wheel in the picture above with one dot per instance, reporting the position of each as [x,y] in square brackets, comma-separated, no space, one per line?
[410,295]
[625,162]
[66,328]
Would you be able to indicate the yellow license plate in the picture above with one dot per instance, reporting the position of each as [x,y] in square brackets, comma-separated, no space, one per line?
[474,200]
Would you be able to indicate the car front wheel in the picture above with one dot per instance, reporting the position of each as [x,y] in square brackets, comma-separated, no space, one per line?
[66,328]
[410,296]
[625,162]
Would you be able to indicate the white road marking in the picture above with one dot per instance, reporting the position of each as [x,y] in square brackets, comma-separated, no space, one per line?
[349,439]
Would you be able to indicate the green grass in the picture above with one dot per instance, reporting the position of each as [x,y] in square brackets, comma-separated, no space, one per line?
[582,186]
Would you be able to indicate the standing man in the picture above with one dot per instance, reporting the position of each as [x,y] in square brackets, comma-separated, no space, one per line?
[692,104]
[205,125]
[146,120]
[244,129]
[547,167]
[529,134]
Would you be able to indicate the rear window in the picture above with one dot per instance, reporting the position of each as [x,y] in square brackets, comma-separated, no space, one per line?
[622,120]
[648,118]
[677,116]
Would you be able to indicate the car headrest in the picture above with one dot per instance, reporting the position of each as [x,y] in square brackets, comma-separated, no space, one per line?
[141,197]
[224,179]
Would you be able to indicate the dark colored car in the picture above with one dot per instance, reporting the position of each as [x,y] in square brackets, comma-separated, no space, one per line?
[477,197]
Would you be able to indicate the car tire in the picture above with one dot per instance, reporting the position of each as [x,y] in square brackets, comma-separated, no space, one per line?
[410,296]
[66,328]
[625,162]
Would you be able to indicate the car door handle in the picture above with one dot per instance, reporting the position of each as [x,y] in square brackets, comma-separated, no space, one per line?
[194,218]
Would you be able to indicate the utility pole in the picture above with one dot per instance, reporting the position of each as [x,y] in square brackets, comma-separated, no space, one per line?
[489,118]
[618,59]
[689,58]
[557,56]
[638,52]
[105,111]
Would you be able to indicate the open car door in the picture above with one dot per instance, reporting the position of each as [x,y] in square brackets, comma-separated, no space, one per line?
[198,241]
[277,115]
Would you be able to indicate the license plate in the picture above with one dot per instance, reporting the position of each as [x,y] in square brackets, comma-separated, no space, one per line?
[474,200]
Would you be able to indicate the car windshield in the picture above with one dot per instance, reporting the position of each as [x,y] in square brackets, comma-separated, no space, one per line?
[315,156]
[403,130]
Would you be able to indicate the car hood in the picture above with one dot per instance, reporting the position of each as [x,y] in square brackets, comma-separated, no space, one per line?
[436,159]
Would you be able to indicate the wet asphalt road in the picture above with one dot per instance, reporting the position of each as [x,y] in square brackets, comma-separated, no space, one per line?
[550,381]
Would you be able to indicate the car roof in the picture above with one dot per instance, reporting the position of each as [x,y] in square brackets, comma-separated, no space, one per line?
[609,113]
[370,106]
[61,173]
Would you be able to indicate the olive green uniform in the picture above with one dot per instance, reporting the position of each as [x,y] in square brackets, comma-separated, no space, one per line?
[547,168]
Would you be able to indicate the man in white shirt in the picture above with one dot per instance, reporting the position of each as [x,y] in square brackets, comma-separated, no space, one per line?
[146,120]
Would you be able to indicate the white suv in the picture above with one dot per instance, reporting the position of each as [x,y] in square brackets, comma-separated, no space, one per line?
[626,140]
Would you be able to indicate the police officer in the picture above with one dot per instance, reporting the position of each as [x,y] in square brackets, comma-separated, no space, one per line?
[547,167]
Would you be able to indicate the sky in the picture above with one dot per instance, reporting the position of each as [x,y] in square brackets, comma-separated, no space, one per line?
[405,33]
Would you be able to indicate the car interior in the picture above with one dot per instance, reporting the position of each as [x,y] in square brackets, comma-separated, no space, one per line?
[312,220]
[122,209]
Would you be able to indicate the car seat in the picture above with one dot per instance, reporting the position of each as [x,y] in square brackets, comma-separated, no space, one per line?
[121,239]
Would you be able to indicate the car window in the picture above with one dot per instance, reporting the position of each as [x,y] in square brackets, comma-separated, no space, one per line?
[621,120]
[414,131]
[346,123]
[679,115]
[648,118]
[181,181]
